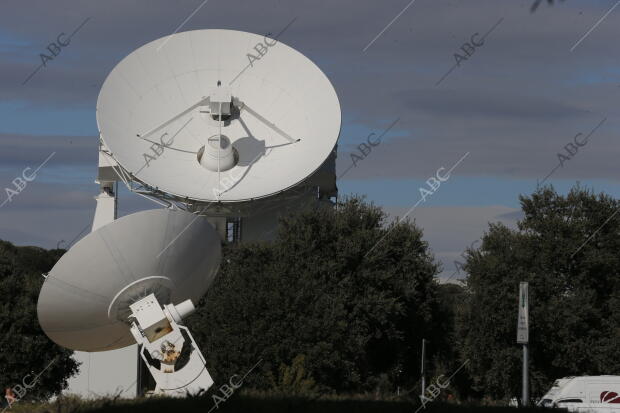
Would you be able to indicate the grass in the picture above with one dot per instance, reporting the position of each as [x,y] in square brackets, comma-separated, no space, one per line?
[249,404]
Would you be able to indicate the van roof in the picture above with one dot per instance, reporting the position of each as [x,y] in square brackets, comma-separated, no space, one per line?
[593,378]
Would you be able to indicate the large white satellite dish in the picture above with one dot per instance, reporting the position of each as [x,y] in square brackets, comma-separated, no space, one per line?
[280,116]
[85,299]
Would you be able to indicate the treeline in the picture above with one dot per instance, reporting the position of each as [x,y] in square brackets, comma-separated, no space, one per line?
[341,300]
[25,350]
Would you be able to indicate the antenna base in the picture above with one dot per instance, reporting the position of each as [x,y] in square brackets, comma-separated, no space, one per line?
[162,337]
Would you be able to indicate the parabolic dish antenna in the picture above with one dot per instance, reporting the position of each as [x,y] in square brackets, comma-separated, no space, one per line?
[208,115]
[84,302]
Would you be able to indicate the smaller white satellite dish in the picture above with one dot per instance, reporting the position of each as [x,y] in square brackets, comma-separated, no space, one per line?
[84,302]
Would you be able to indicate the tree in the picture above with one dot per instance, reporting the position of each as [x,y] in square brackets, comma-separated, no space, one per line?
[452,298]
[537,3]
[315,297]
[567,248]
[24,347]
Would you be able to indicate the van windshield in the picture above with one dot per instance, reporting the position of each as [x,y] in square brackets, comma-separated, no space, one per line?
[569,401]
[545,403]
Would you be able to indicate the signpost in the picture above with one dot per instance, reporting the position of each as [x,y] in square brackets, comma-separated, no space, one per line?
[523,337]
[423,365]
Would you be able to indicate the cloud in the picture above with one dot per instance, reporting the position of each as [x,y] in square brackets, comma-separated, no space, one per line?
[451,230]
[468,104]
[31,150]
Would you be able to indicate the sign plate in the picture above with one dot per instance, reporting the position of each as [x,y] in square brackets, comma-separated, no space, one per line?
[523,326]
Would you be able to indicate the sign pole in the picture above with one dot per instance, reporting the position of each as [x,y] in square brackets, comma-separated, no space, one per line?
[423,363]
[523,337]
[526,385]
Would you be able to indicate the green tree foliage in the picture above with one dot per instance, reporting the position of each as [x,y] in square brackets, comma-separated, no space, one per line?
[452,299]
[537,3]
[316,292]
[567,248]
[24,348]
[294,380]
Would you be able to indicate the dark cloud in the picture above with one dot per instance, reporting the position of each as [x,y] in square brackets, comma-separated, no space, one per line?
[451,230]
[476,103]
[31,150]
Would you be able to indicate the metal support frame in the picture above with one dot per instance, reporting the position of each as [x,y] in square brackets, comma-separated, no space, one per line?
[159,333]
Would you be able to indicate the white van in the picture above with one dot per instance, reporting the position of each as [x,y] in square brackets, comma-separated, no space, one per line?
[585,394]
